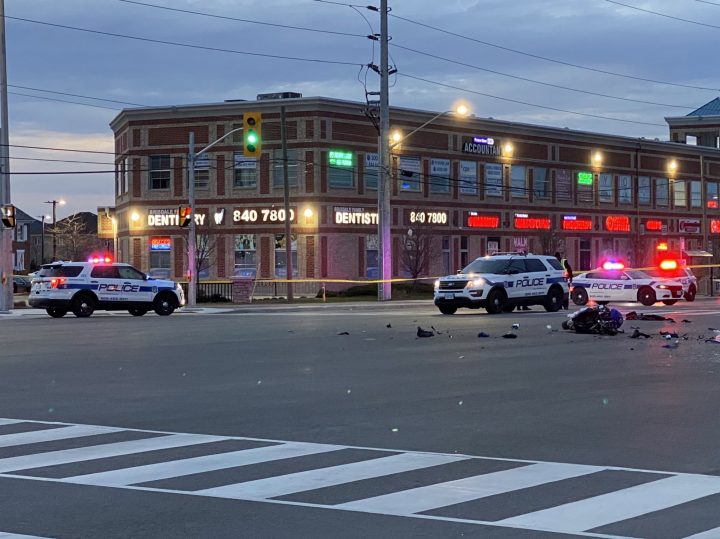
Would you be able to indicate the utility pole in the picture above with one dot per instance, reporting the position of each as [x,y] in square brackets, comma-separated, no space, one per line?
[192,281]
[42,241]
[286,184]
[384,178]
[6,269]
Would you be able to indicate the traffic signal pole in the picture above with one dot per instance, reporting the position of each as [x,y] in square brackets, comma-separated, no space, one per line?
[192,239]
[6,269]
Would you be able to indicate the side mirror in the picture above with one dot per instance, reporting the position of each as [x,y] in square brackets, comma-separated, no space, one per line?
[459,271]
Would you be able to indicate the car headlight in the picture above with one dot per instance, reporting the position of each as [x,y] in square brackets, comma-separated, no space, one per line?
[663,286]
[476,283]
[436,285]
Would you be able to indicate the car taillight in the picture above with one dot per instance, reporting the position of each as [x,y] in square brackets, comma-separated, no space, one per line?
[56,283]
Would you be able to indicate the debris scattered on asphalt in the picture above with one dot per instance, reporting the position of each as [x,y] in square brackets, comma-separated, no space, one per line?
[686,321]
[672,346]
[344,333]
[509,335]
[435,330]
[637,334]
[483,335]
[632,315]
[424,333]
[716,340]
[516,326]
[389,326]
[394,429]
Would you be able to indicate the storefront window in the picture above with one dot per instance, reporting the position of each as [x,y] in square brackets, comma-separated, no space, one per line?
[713,195]
[493,180]
[468,178]
[463,251]
[281,256]
[277,167]
[409,173]
[439,176]
[372,270]
[245,255]
[518,181]
[446,255]
[605,188]
[644,190]
[661,191]
[695,194]
[245,171]
[541,183]
[341,177]
[370,173]
[625,190]
[205,246]
[159,264]
[679,194]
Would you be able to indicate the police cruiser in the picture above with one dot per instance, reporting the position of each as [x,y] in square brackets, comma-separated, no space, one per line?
[503,281]
[83,287]
[612,282]
[671,270]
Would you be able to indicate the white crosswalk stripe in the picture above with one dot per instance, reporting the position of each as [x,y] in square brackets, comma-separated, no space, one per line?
[5,535]
[279,469]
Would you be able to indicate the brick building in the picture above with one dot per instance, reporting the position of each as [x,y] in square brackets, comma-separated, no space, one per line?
[473,185]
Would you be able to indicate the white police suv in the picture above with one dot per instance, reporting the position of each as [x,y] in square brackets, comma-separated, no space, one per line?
[612,282]
[503,281]
[83,287]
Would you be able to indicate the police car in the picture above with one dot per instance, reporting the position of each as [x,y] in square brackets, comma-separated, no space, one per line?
[671,270]
[503,281]
[612,282]
[83,287]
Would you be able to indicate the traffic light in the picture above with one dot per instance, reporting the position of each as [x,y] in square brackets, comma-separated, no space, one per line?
[184,216]
[8,216]
[252,134]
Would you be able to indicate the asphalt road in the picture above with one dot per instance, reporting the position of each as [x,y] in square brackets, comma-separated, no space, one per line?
[559,420]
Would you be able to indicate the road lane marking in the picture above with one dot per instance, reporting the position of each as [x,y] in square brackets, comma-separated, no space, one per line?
[709,534]
[50,435]
[207,463]
[620,505]
[326,477]
[79,454]
[417,500]
[9,422]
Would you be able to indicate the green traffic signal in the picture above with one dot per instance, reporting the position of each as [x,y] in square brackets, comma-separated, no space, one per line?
[252,137]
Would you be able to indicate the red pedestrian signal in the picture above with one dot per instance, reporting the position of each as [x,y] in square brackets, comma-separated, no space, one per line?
[184,216]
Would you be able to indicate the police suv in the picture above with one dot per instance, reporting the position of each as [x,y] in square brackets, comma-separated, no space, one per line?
[503,281]
[83,287]
[612,283]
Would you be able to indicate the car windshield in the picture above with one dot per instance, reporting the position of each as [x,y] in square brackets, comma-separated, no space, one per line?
[487,265]
[60,271]
[637,274]
[666,274]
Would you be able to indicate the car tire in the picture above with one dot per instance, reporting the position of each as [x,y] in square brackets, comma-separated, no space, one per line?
[447,309]
[495,302]
[164,305]
[579,296]
[83,305]
[690,295]
[508,308]
[669,301]
[135,311]
[56,312]
[646,296]
[554,300]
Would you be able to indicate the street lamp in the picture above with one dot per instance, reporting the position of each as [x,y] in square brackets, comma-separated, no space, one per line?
[397,136]
[54,203]
[42,238]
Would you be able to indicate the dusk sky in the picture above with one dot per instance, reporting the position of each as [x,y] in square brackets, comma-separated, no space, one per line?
[598,34]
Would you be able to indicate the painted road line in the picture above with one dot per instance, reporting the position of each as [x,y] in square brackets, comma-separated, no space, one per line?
[709,534]
[5,535]
[50,435]
[623,504]
[326,477]
[10,422]
[79,454]
[421,499]
[206,463]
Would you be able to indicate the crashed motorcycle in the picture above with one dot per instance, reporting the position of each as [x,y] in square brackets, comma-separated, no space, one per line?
[600,320]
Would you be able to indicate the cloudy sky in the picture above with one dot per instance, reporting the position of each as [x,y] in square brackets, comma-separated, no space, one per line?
[475,64]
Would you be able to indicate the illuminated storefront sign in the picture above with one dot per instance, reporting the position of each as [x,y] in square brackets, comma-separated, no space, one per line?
[617,223]
[483,221]
[689,226]
[715,226]
[160,243]
[654,225]
[573,222]
[584,178]
[262,215]
[354,216]
[482,146]
[158,217]
[524,222]
[422,217]
[340,158]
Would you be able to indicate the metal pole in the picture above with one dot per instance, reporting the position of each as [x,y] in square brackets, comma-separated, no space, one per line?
[6,293]
[384,213]
[192,284]
[286,185]
[42,242]
[54,232]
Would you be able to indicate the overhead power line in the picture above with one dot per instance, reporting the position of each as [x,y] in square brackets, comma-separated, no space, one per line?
[586,114]
[63,101]
[665,15]
[560,86]
[249,21]
[553,60]
[184,45]
[76,95]
[708,2]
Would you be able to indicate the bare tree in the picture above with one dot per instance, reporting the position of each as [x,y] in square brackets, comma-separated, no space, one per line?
[418,248]
[204,252]
[74,240]
[550,242]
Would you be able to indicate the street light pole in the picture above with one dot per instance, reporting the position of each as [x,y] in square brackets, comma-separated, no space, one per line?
[192,284]
[6,269]
[42,240]
[384,178]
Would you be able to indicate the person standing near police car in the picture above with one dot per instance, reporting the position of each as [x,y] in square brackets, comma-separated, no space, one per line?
[568,275]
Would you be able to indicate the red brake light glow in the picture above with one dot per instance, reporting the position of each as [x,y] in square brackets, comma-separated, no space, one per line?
[610,265]
[668,265]
[56,283]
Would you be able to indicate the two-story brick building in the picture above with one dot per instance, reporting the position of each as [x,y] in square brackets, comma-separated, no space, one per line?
[475,185]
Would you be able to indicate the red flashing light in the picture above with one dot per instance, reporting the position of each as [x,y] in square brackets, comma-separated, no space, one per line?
[617,223]
[654,224]
[611,265]
[55,283]
[532,223]
[577,224]
[662,246]
[483,221]
[668,265]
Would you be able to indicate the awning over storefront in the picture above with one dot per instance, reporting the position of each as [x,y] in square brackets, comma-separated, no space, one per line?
[697,254]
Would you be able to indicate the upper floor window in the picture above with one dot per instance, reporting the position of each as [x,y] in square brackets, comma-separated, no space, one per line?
[409,173]
[644,190]
[159,172]
[439,175]
[662,194]
[278,169]
[518,181]
[541,183]
[605,188]
[679,194]
[625,190]
[468,178]
[695,194]
[371,171]
[202,171]
[245,171]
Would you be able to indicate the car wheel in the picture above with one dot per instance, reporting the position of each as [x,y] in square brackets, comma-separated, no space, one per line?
[579,296]
[137,312]
[495,302]
[690,295]
[646,296]
[447,309]
[82,305]
[508,308]
[56,312]
[554,300]
[164,305]
[670,301]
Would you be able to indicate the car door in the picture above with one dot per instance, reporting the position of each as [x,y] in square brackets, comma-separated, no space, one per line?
[538,275]
[106,278]
[135,286]
[521,283]
[598,289]
[628,292]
